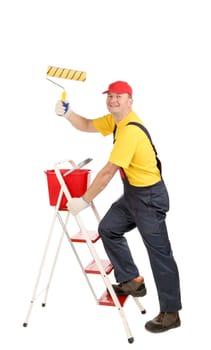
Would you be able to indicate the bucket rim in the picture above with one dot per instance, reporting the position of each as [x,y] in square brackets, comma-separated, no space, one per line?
[52,171]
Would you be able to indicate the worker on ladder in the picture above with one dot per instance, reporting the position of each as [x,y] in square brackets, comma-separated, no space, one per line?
[144,203]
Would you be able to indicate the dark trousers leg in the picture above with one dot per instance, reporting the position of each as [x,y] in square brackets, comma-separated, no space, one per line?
[150,206]
[115,223]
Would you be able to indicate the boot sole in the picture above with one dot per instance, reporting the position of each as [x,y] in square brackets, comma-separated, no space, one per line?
[139,293]
[163,329]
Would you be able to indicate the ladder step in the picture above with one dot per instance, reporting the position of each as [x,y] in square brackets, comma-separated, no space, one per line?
[107,300]
[81,237]
[92,267]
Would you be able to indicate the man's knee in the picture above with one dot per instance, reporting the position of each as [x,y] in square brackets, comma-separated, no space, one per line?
[102,228]
[106,229]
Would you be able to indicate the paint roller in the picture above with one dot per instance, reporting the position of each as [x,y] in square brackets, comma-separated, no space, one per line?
[64,73]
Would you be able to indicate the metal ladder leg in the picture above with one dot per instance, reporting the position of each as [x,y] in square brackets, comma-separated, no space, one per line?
[34,294]
[55,260]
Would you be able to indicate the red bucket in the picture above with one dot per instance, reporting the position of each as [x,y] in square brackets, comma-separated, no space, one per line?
[77,183]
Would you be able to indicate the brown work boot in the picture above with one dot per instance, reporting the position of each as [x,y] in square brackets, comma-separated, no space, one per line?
[135,287]
[163,322]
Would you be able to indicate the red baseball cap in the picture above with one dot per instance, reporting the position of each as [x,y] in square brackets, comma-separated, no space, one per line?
[119,87]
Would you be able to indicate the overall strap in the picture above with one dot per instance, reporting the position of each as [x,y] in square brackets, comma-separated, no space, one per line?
[121,171]
[142,127]
[114,133]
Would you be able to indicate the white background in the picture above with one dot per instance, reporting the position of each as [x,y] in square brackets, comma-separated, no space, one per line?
[162,48]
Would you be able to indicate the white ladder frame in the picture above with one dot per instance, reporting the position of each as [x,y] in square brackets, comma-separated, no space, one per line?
[64,190]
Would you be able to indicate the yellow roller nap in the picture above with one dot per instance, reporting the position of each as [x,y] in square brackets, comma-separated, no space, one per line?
[66,73]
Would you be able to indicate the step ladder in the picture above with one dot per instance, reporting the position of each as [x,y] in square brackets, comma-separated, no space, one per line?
[97,266]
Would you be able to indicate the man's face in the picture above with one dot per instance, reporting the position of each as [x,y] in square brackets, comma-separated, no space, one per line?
[119,104]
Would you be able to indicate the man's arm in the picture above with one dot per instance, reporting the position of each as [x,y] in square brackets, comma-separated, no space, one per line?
[79,122]
[101,181]
[75,205]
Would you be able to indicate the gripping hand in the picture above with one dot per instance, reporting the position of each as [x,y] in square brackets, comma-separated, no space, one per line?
[63,108]
[75,205]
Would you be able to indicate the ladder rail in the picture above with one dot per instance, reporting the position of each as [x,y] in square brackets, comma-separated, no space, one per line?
[93,250]
[105,277]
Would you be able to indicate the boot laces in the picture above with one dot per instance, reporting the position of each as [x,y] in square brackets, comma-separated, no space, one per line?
[160,317]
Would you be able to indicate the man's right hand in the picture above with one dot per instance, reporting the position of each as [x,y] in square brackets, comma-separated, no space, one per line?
[63,108]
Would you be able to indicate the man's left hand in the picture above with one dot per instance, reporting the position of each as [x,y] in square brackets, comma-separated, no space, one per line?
[75,205]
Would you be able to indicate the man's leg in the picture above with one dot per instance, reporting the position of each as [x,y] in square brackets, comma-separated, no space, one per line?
[151,205]
[112,228]
[150,220]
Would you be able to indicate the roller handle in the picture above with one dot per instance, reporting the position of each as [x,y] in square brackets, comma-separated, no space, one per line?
[63,99]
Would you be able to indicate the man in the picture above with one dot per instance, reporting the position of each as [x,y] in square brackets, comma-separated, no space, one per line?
[143,205]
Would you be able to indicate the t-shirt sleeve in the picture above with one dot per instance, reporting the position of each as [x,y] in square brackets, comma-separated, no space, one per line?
[105,124]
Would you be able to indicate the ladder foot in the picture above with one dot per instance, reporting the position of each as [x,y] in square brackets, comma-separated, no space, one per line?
[130,340]
[25,324]
[43,304]
[143,312]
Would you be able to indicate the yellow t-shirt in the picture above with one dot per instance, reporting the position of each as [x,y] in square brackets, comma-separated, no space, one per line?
[132,149]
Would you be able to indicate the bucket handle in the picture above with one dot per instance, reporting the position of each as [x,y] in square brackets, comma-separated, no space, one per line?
[79,166]
[67,161]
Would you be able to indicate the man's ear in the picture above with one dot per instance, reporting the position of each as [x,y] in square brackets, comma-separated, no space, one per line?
[130,102]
